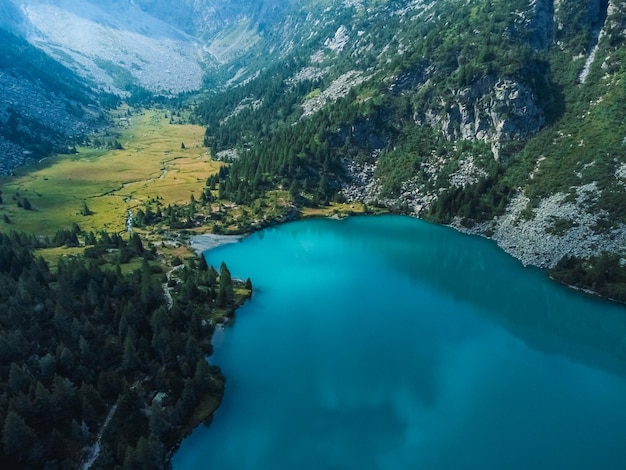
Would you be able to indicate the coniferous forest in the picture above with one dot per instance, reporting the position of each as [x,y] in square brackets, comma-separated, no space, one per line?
[91,355]
[471,114]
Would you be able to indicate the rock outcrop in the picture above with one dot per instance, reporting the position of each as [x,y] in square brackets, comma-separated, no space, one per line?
[558,227]
[494,110]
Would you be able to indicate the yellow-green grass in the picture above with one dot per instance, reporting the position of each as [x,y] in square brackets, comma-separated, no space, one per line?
[334,209]
[313,94]
[152,163]
[53,255]
[133,265]
[180,251]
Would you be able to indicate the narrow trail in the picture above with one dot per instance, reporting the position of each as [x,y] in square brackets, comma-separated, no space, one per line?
[95,450]
[167,290]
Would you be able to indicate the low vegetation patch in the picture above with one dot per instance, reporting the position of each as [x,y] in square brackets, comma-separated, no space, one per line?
[109,182]
[604,275]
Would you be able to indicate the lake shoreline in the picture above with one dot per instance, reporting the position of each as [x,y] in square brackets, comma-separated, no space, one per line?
[291,250]
[201,243]
[207,241]
[191,427]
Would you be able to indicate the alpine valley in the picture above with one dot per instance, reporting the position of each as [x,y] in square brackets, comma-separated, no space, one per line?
[505,119]
[499,118]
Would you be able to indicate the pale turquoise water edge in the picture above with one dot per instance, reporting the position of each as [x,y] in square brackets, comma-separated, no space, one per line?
[390,343]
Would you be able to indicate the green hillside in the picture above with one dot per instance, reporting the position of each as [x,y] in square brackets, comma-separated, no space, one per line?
[460,112]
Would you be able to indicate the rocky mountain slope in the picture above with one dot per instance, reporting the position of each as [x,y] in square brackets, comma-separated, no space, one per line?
[162,47]
[114,44]
[62,61]
[504,119]
[44,107]
[500,118]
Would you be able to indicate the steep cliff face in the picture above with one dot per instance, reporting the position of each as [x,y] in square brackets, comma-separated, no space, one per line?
[494,110]
[539,24]
[573,18]
[568,177]
[504,109]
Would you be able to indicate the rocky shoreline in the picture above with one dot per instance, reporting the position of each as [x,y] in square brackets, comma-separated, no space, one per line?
[559,226]
[538,241]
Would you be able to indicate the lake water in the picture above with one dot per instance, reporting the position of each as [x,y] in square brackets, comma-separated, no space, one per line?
[390,343]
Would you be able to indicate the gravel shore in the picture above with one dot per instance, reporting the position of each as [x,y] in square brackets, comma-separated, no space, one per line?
[202,243]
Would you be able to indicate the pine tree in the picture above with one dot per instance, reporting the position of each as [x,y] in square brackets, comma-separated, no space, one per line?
[225,291]
[85,211]
[17,437]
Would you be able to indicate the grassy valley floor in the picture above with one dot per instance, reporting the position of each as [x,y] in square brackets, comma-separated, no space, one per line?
[150,165]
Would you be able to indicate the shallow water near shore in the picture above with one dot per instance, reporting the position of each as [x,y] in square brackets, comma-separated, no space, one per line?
[387,342]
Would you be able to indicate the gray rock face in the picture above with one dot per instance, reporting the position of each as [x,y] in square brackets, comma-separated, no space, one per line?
[541,23]
[492,110]
[535,242]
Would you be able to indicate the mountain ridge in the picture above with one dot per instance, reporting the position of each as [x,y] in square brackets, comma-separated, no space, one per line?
[499,118]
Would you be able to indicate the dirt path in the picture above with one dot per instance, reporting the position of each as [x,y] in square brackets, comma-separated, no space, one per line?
[167,290]
[95,450]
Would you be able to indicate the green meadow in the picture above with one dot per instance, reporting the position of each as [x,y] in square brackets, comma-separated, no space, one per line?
[151,164]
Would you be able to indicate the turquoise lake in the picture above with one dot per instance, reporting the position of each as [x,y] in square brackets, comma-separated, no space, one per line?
[390,343]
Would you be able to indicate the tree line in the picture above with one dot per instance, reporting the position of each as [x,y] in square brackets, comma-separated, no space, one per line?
[78,341]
